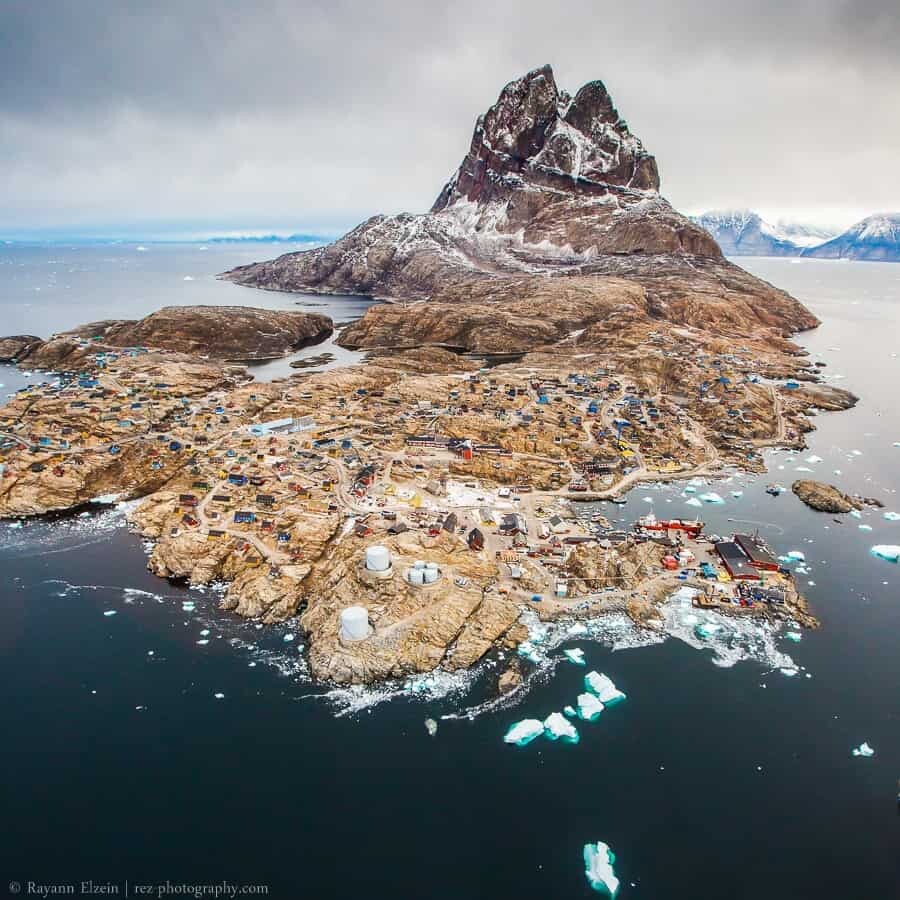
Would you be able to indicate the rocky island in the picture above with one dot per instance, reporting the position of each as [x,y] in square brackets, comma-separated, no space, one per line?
[417,510]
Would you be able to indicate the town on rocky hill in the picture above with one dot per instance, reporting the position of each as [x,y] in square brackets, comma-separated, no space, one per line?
[412,511]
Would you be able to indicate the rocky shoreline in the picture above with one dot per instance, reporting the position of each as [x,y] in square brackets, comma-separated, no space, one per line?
[415,511]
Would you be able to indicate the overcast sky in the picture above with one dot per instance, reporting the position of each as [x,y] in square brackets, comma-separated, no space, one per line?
[293,114]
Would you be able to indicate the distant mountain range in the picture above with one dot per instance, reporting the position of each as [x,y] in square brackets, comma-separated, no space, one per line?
[744,232]
[267,239]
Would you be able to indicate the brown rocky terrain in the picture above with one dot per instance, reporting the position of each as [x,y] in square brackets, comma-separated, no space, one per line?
[553,224]
[828,498]
[217,332]
[16,347]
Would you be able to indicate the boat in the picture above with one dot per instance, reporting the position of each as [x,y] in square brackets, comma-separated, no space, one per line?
[692,527]
[619,500]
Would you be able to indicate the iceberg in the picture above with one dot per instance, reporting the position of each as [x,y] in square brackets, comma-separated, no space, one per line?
[863,750]
[528,651]
[892,516]
[693,502]
[796,555]
[109,612]
[431,727]
[557,726]
[219,696]
[524,732]
[598,868]
[737,493]
[865,527]
[602,686]
[890,552]
[711,497]
[570,711]
[794,636]
[589,707]
[575,655]
[690,489]
[813,459]
[708,630]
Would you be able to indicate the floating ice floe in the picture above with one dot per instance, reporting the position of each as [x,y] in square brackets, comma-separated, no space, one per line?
[575,655]
[527,650]
[794,636]
[187,606]
[693,501]
[598,868]
[288,638]
[865,527]
[863,750]
[890,552]
[812,460]
[570,711]
[803,469]
[219,696]
[737,493]
[796,555]
[203,642]
[109,612]
[712,497]
[589,707]
[603,687]
[558,727]
[689,489]
[188,278]
[524,732]
[892,516]
[856,513]
[431,727]
[707,630]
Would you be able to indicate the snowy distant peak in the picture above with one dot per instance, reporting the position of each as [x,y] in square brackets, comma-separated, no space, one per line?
[743,232]
[875,238]
[882,226]
[537,137]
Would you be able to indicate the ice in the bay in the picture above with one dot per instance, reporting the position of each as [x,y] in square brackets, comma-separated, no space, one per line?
[794,636]
[693,501]
[892,516]
[865,527]
[431,727]
[890,552]
[796,555]
[219,696]
[603,687]
[863,750]
[570,711]
[589,707]
[528,651]
[598,868]
[711,497]
[524,732]
[575,655]
[109,612]
[813,459]
[558,727]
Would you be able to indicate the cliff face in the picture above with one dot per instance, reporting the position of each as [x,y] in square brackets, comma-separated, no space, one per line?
[555,200]
[217,332]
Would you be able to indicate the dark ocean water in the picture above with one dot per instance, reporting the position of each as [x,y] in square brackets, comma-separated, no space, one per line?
[709,782]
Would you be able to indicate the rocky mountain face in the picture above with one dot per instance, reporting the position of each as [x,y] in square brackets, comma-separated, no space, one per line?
[876,238]
[552,224]
[217,332]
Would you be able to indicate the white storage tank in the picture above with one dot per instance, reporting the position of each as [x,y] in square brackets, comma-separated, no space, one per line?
[416,576]
[378,558]
[431,575]
[354,623]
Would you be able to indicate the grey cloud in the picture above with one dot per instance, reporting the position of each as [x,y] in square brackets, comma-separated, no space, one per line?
[303,112]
